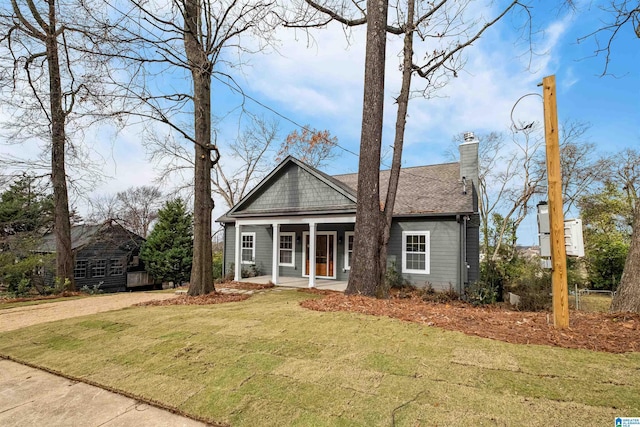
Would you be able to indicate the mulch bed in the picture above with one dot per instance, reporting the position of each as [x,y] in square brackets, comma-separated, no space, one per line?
[246,286]
[612,333]
[211,298]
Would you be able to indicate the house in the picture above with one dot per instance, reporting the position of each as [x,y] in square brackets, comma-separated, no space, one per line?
[298,210]
[104,254]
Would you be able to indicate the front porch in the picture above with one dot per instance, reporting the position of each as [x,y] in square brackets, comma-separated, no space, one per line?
[300,282]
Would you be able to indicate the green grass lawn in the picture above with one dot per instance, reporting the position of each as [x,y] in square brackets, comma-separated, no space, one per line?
[267,361]
[595,302]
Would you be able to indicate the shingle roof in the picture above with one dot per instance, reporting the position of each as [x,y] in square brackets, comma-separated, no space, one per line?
[80,236]
[433,189]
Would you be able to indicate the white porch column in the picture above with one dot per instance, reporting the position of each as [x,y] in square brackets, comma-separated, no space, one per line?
[312,254]
[275,255]
[238,268]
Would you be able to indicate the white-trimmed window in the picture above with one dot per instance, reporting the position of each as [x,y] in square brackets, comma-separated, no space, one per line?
[248,248]
[348,249]
[287,253]
[415,252]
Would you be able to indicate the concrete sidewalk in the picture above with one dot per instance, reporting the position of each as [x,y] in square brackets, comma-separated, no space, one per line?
[31,397]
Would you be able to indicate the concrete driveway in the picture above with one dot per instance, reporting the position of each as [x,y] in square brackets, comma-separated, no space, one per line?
[32,397]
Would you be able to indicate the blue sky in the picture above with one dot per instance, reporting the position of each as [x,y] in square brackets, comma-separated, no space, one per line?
[321,84]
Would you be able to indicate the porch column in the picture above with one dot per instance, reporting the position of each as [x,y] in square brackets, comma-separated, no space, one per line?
[312,255]
[275,255]
[237,267]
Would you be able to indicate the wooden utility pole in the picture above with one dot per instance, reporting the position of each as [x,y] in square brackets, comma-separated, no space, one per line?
[556,215]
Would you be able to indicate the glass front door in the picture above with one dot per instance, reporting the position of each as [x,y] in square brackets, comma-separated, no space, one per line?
[325,251]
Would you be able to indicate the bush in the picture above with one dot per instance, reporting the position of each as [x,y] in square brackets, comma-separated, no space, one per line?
[429,294]
[22,288]
[480,293]
[217,265]
[94,290]
[534,289]
[252,271]
[393,279]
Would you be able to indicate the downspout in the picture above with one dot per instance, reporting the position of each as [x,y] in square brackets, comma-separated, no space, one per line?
[465,264]
[224,251]
[459,220]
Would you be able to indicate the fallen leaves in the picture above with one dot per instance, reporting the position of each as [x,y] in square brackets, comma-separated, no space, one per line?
[211,298]
[613,333]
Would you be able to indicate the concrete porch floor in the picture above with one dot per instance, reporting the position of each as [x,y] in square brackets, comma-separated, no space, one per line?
[300,282]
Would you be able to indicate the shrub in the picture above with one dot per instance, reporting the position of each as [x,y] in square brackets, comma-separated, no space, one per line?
[429,294]
[217,265]
[480,293]
[252,271]
[394,279]
[95,289]
[533,287]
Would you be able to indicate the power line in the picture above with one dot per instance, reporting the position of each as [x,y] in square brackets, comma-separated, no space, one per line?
[238,90]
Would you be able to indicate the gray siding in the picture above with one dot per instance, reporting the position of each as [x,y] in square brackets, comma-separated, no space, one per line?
[262,243]
[444,250]
[296,189]
[444,259]
[264,235]
[473,248]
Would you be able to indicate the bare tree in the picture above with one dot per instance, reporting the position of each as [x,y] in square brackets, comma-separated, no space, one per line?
[449,31]
[186,40]
[312,146]
[622,15]
[625,173]
[46,63]
[251,149]
[248,154]
[136,208]
[581,168]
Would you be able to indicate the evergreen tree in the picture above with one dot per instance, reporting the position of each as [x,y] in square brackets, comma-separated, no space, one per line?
[26,212]
[25,207]
[168,251]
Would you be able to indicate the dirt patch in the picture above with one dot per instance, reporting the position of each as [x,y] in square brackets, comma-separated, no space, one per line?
[211,298]
[613,333]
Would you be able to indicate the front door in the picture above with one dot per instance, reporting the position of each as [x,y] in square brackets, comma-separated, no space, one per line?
[325,254]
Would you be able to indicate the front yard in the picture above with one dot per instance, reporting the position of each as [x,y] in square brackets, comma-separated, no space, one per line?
[269,361]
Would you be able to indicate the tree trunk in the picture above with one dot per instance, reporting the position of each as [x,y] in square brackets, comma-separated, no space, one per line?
[401,121]
[62,226]
[628,296]
[365,270]
[201,69]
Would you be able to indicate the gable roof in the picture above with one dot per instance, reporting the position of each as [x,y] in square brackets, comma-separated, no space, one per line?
[82,235]
[295,187]
[433,189]
[422,190]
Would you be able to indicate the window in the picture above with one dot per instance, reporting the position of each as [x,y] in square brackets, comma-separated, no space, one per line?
[80,270]
[248,248]
[348,249]
[116,267]
[415,252]
[99,268]
[287,255]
